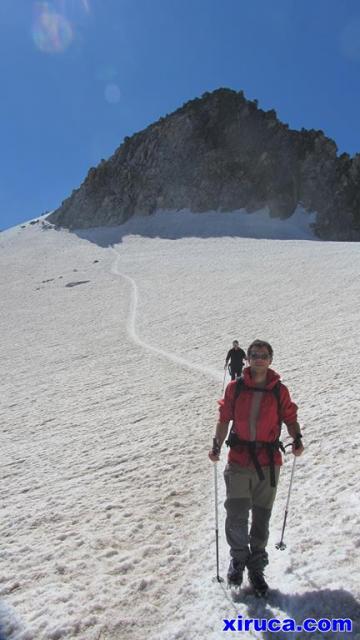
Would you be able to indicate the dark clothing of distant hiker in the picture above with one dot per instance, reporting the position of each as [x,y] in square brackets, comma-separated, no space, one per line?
[235,357]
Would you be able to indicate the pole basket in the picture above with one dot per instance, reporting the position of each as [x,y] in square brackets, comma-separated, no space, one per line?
[280,545]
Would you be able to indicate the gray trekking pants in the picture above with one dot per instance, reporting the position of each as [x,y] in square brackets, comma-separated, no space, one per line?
[245,492]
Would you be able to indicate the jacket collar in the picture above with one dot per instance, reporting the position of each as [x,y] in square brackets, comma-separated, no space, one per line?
[271,378]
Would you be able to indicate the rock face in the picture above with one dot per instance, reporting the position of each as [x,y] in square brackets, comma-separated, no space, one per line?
[221,152]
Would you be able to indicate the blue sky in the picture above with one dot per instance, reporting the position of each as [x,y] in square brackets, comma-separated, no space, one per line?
[78,75]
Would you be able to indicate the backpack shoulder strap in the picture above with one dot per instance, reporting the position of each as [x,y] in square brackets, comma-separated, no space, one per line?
[276,392]
[240,384]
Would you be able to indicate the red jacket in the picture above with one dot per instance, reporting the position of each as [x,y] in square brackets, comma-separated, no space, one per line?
[267,424]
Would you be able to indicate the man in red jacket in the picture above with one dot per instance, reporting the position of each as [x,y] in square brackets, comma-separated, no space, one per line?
[257,404]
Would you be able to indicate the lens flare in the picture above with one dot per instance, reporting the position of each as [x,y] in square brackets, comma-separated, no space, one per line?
[52,32]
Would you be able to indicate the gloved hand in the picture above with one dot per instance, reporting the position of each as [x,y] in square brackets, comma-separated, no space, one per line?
[297,445]
[214,453]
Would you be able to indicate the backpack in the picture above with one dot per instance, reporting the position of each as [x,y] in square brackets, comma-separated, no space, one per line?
[234,441]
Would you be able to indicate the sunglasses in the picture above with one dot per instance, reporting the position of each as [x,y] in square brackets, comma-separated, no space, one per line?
[259,356]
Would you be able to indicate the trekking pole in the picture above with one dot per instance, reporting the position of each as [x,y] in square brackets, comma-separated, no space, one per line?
[218,577]
[223,385]
[281,545]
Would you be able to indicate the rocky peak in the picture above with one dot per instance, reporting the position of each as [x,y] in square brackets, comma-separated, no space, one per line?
[221,152]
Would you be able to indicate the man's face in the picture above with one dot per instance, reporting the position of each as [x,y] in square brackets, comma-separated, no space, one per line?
[259,359]
[235,345]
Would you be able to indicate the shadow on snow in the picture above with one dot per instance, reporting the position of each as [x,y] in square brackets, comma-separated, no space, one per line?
[184,224]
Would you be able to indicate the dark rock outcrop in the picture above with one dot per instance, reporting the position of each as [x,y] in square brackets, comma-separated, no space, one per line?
[221,152]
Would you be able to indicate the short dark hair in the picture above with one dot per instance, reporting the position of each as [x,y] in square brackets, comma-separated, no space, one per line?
[260,344]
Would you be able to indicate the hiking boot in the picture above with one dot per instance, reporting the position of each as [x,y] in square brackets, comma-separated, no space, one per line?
[235,573]
[258,582]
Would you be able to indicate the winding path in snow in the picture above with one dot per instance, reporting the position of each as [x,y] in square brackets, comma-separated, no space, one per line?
[131,329]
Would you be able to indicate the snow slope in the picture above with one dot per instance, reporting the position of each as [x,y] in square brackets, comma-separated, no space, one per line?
[109,401]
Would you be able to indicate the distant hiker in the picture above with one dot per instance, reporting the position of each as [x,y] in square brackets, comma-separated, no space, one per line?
[235,360]
[256,403]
